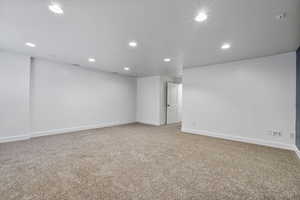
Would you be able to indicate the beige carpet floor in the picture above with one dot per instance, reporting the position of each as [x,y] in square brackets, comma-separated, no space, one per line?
[143,162]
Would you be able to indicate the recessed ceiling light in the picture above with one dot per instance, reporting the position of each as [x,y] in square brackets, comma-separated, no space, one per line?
[56,8]
[167,59]
[226,46]
[29,44]
[133,44]
[201,17]
[92,60]
[126,68]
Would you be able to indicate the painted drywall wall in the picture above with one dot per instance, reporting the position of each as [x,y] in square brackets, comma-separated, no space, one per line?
[14,96]
[243,100]
[298,101]
[149,100]
[66,98]
[152,99]
[40,97]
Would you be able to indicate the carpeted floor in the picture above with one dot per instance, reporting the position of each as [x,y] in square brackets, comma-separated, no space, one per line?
[144,162]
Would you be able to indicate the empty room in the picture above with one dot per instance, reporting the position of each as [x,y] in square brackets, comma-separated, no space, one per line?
[149,100]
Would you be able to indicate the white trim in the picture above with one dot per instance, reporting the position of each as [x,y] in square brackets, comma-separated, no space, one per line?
[240,139]
[297,151]
[61,131]
[14,138]
[79,128]
[149,123]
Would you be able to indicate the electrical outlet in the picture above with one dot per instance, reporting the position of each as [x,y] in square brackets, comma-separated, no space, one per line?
[276,133]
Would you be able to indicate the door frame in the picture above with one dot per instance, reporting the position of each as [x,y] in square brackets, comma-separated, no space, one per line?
[166,106]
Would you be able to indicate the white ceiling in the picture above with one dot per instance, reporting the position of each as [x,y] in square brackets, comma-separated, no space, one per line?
[162,28]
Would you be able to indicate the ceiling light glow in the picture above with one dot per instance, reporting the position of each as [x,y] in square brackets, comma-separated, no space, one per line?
[226,46]
[126,68]
[132,44]
[29,44]
[92,60]
[167,60]
[56,8]
[201,17]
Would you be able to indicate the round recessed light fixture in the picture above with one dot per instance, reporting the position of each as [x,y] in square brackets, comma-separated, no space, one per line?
[167,59]
[226,46]
[29,44]
[92,60]
[133,44]
[201,17]
[126,68]
[56,8]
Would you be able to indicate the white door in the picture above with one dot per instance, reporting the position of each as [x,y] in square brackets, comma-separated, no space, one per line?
[172,103]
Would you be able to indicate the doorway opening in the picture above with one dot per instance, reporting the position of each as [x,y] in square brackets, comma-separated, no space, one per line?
[174,103]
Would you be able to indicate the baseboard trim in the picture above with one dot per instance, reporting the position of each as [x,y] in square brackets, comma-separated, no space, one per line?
[149,123]
[14,138]
[191,131]
[61,131]
[79,128]
[240,139]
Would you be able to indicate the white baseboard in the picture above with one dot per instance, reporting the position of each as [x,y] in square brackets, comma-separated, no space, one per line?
[14,138]
[240,139]
[61,131]
[192,131]
[79,128]
[149,123]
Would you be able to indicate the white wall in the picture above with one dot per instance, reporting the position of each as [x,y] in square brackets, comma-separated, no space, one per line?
[14,96]
[243,100]
[149,100]
[66,98]
[152,99]
[39,97]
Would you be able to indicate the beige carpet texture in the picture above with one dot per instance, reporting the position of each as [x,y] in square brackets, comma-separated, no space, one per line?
[140,162]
